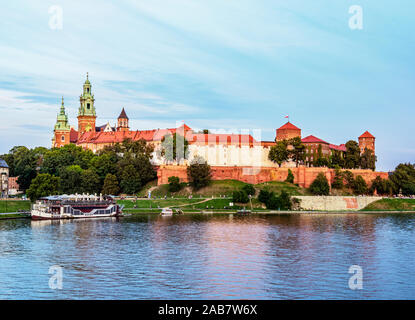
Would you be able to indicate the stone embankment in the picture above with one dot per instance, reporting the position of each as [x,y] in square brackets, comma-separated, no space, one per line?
[335,203]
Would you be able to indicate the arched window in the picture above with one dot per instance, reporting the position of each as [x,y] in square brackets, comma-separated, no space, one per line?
[63,138]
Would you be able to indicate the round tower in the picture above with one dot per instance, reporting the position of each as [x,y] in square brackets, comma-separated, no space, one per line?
[86,113]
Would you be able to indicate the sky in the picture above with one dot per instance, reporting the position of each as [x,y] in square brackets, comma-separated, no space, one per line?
[227,65]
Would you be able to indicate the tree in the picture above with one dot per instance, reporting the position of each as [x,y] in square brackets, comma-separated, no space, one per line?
[279,152]
[336,159]
[403,179]
[297,150]
[368,160]
[290,177]
[240,196]
[359,185]
[249,189]
[352,156]
[110,185]
[103,164]
[174,184]
[174,148]
[90,182]
[71,181]
[338,179]
[199,173]
[43,185]
[274,203]
[130,181]
[382,186]
[320,186]
[349,177]
[285,201]
[265,195]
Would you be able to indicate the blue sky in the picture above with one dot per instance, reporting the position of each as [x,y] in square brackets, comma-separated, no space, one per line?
[215,64]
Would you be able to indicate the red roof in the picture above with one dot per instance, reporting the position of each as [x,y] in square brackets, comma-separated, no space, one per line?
[367,134]
[123,115]
[289,126]
[313,139]
[73,135]
[341,147]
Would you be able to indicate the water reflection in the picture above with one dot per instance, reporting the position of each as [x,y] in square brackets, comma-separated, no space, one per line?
[206,256]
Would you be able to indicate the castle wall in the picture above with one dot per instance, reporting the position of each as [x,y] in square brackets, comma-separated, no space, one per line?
[335,203]
[303,176]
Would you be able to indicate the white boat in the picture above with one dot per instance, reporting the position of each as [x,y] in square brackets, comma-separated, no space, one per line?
[166,212]
[75,207]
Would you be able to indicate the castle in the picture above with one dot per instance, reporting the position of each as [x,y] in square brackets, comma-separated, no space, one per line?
[231,156]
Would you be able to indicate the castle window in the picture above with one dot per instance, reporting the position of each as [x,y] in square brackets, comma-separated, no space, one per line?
[87,90]
[63,138]
[88,106]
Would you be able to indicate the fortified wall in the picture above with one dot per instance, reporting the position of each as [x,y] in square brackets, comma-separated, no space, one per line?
[303,176]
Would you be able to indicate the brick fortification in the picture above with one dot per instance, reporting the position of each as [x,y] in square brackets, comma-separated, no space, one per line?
[303,176]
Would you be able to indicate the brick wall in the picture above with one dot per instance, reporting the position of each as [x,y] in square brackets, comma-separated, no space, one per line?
[304,176]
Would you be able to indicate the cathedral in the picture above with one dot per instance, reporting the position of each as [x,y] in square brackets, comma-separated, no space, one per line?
[223,150]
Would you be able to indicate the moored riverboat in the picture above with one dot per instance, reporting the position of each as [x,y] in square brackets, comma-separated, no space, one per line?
[78,206]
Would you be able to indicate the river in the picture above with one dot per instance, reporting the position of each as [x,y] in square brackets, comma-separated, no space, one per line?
[297,256]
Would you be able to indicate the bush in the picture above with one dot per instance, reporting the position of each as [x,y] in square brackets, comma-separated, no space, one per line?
[240,196]
[174,184]
[281,202]
[320,186]
[360,186]
[381,186]
[274,203]
[265,195]
[249,189]
[338,180]
[199,173]
[290,177]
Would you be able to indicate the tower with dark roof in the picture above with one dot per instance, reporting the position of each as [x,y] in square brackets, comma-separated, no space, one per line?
[367,141]
[123,121]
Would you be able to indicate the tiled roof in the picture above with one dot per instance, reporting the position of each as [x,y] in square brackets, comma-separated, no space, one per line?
[73,135]
[341,147]
[367,134]
[289,126]
[313,139]
[3,164]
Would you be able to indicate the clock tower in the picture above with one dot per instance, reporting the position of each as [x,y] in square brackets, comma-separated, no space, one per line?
[86,113]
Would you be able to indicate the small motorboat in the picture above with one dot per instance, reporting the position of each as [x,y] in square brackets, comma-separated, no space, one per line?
[244,211]
[166,212]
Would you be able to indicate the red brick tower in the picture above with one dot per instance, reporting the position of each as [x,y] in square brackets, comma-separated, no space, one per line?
[367,140]
[287,131]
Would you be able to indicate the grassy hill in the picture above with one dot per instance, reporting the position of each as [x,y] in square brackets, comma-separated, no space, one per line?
[391,205]
[14,205]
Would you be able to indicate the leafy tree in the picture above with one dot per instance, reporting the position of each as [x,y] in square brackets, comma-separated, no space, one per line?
[265,195]
[174,148]
[352,156]
[290,177]
[103,164]
[320,185]
[90,181]
[130,180]
[279,152]
[336,159]
[368,160]
[349,177]
[43,185]
[382,186]
[240,196]
[110,185]
[285,200]
[199,173]
[274,203]
[359,185]
[249,189]
[297,150]
[403,179]
[71,181]
[174,184]
[338,179]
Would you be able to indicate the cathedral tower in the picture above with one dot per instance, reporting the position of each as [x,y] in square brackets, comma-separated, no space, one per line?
[62,129]
[123,121]
[86,113]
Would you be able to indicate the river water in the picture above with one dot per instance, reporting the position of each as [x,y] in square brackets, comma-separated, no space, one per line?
[209,257]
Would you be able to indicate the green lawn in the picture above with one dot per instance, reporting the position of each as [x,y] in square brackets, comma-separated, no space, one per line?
[169,202]
[391,205]
[278,186]
[14,205]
